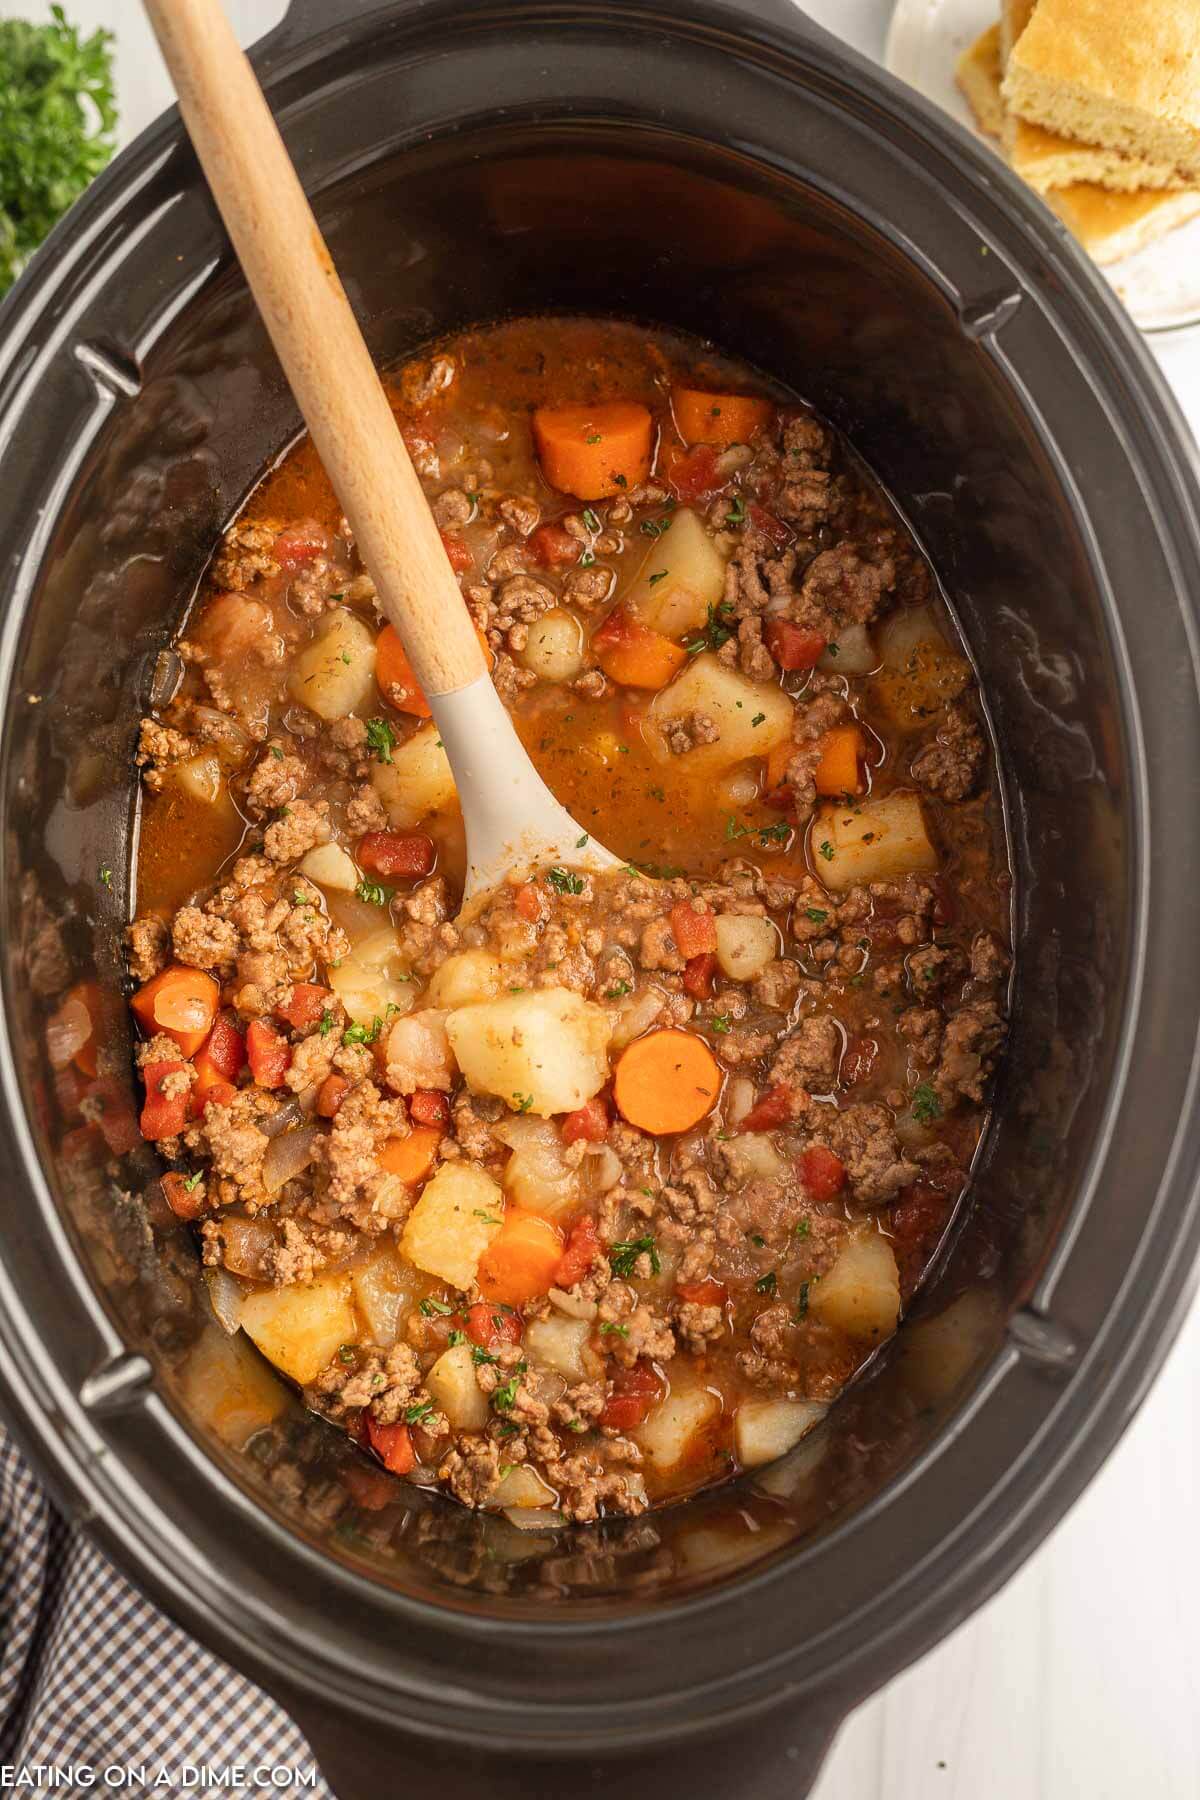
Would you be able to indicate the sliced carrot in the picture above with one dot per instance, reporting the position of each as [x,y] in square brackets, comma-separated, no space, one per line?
[843,751]
[721,419]
[428,1107]
[695,933]
[777,765]
[411,1157]
[522,1260]
[392,1444]
[667,1081]
[182,1003]
[629,652]
[394,673]
[594,450]
[184,1195]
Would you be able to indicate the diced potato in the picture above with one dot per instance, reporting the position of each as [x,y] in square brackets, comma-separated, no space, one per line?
[384,1289]
[452,1224]
[751,1156]
[871,840]
[371,982]
[861,1293]
[523,1487]
[667,1434]
[229,1388]
[940,1352]
[452,1387]
[850,653]
[418,1053]
[745,945]
[199,777]
[544,1052]
[330,867]
[467,977]
[557,1343]
[554,647]
[418,780]
[537,1175]
[765,1429]
[301,1329]
[332,676]
[682,575]
[921,672]
[787,1480]
[732,702]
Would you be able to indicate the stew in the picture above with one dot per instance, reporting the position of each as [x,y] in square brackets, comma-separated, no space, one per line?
[607,1193]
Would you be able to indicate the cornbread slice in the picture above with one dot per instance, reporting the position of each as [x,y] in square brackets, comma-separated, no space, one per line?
[1124,74]
[1111,226]
[1014,17]
[1046,160]
[978,73]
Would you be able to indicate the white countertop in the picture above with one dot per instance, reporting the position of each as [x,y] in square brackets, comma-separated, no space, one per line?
[1081,1680]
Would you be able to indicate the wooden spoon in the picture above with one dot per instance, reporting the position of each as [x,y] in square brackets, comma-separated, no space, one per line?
[512,819]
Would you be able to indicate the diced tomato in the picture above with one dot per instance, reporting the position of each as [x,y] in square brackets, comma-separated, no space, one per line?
[184,1201]
[162,1114]
[219,1095]
[695,933]
[822,1173]
[554,548]
[491,1326]
[428,1107]
[693,474]
[703,1293]
[858,1059]
[777,1107]
[330,1094]
[779,533]
[392,1444]
[698,976]
[583,1247]
[461,556]
[528,903]
[115,1114]
[299,545]
[224,1051]
[392,853]
[306,1005]
[792,646]
[588,1123]
[269,1054]
[634,1392]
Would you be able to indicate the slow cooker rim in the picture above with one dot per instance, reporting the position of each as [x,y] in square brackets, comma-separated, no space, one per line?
[164,136]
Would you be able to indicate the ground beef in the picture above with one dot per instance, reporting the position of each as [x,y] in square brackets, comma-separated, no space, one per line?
[472,1117]
[699,1325]
[950,766]
[472,1469]
[452,508]
[935,968]
[921,1027]
[810,1054]
[424,377]
[520,511]
[274,780]
[385,1382]
[691,730]
[203,941]
[776,988]
[146,942]
[303,1251]
[657,949]
[300,827]
[864,1137]
[159,747]
[841,587]
[245,553]
[358,1186]
[231,1138]
[989,959]
[366,811]
[970,1045]
[810,722]
[808,501]
[587,588]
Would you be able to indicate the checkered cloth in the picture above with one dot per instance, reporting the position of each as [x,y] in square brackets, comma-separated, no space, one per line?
[92,1674]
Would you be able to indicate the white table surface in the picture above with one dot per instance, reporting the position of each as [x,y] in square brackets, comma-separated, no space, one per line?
[1081,1680]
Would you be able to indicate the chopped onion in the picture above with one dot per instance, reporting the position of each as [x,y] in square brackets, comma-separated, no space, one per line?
[288,1156]
[635,1016]
[601,1168]
[572,1304]
[288,1114]
[739,1098]
[67,1031]
[225,1293]
[247,1244]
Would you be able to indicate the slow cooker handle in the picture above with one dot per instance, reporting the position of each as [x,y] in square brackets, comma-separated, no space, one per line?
[307,19]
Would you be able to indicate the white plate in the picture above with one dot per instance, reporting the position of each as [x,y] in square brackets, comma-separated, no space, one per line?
[1161,284]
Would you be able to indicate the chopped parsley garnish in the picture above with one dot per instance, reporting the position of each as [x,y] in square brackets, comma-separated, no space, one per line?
[432,1308]
[660,576]
[381,739]
[721,1023]
[717,630]
[328,1021]
[581,841]
[457,1337]
[363,1034]
[373,893]
[276,752]
[593,437]
[826,850]
[505,1396]
[758,1240]
[616,990]
[737,511]
[193,1181]
[346,1353]
[587,559]
[655,528]
[524,1102]
[623,1256]
[803,1228]
[802,1301]
[620,481]
[106,876]
[417,1414]
[816,914]
[608,1329]
[563,882]
[925,1104]
[779,833]
[768,1283]
[346,658]
[590,519]
[479,1356]
[487,1217]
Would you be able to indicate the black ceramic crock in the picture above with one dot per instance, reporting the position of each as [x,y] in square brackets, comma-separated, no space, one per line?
[742,176]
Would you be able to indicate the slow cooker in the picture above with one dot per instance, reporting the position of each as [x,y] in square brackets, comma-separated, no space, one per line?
[738,174]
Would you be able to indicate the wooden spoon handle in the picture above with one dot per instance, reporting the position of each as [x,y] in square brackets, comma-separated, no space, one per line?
[316,335]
